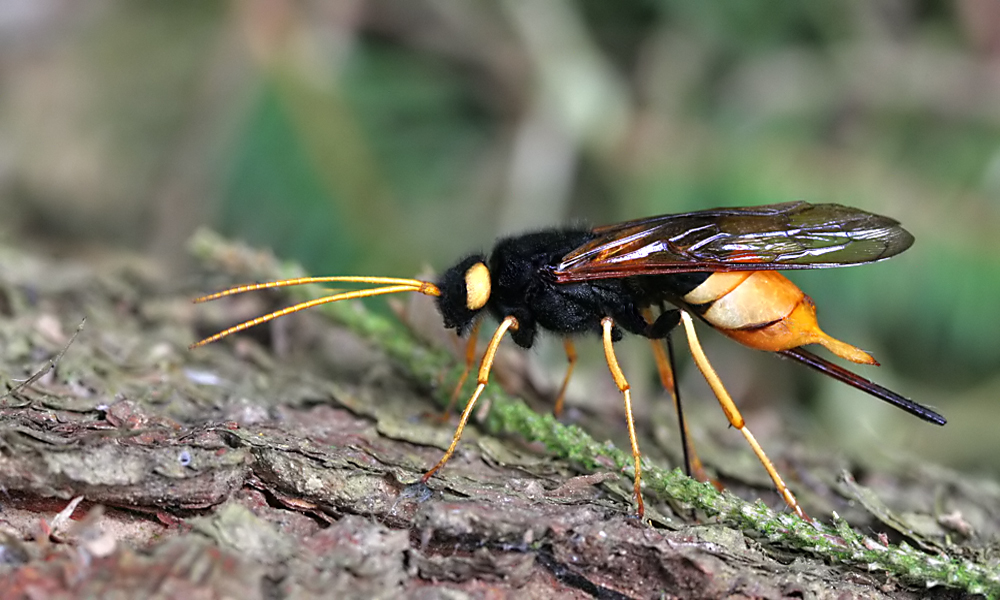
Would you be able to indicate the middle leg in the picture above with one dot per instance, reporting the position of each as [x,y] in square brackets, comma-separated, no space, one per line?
[607,325]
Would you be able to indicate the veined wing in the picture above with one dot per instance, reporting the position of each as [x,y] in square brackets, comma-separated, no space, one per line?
[794,235]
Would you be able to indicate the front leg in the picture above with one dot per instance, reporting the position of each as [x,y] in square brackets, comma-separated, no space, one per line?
[508,324]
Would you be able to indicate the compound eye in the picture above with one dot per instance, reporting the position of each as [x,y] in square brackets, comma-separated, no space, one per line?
[477,286]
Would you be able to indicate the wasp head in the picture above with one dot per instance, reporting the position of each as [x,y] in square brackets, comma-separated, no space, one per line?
[465,290]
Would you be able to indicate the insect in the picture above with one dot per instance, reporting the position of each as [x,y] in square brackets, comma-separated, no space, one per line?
[717,265]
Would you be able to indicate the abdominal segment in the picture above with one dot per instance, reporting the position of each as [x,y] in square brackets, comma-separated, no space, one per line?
[766,311]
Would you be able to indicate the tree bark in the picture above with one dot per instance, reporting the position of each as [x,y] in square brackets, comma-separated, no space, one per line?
[285,462]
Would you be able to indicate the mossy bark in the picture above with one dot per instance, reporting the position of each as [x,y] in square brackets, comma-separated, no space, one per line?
[285,463]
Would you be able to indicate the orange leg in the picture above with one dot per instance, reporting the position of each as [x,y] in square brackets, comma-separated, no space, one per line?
[470,358]
[663,353]
[733,414]
[482,379]
[664,365]
[623,387]
[571,357]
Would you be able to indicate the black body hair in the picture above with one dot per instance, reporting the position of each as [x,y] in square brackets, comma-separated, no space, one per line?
[523,286]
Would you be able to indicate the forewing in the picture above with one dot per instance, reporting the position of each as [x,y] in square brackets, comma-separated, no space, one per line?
[794,235]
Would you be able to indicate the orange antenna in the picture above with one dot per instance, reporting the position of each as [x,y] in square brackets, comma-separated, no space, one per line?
[392,285]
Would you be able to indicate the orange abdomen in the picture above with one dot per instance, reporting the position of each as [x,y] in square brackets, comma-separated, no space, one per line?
[766,311]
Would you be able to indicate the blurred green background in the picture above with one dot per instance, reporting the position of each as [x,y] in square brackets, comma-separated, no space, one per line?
[383,137]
